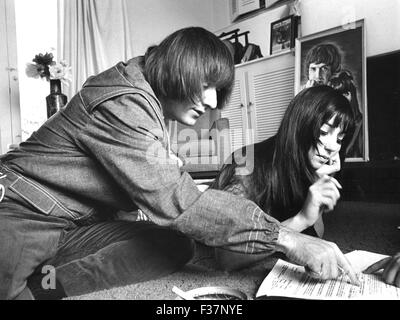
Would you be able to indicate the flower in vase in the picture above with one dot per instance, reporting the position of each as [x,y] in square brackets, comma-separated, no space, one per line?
[45,67]
[32,71]
[60,71]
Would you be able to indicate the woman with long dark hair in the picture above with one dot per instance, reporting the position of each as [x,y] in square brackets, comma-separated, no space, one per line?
[290,174]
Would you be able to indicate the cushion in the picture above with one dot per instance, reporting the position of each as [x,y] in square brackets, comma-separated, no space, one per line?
[195,148]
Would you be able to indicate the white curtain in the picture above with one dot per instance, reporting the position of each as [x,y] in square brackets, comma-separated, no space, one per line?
[93,35]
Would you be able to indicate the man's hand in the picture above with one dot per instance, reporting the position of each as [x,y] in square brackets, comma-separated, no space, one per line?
[321,259]
[391,269]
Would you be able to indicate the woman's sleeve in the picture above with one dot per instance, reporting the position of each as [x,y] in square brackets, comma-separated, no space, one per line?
[230,180]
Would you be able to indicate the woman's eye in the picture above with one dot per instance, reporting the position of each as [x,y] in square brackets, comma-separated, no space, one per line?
[323,133]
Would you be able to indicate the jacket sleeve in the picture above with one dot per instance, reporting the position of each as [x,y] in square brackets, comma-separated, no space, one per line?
[126,138]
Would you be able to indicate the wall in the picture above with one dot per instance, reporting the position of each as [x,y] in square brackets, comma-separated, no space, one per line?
[221,16]
[152,21]
[381,18]
[381,21]
[259,25]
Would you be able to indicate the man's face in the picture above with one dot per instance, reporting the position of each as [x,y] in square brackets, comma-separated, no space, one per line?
[320,73]
[188,112]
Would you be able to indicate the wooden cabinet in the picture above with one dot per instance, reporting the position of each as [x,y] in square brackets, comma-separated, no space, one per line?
[236,111]
[263,89]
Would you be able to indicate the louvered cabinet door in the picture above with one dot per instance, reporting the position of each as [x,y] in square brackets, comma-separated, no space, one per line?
[235,111]
[271,88]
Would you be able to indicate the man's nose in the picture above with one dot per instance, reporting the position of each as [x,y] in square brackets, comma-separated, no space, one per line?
[210,98]
[317,73]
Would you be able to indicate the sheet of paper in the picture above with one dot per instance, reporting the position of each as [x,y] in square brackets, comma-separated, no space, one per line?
[289,280]
[360,260]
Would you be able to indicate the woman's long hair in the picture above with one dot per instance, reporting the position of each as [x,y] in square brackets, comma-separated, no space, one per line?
[292,173]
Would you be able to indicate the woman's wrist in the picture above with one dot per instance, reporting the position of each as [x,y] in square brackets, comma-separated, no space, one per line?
[297,222]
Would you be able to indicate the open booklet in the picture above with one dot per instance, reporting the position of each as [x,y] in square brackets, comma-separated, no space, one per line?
[290,280]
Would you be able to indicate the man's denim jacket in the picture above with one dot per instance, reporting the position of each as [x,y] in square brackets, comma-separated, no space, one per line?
[108,151]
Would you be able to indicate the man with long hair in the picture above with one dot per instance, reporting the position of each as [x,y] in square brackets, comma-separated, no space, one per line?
[321,62]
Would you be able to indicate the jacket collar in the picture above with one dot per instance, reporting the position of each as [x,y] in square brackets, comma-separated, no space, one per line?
[124,77]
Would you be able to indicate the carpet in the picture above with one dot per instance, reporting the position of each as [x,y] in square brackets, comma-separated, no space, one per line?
[352,226]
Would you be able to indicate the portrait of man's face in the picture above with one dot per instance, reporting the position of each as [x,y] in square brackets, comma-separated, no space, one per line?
[319,73]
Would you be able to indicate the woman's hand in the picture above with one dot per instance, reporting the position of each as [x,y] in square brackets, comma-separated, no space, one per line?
[322,196]
[391,269]
[332,166]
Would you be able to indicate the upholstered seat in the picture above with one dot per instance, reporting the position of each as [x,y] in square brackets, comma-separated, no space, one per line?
[205,152]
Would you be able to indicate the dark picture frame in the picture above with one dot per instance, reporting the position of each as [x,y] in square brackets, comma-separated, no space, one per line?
[349,41]
[283,34]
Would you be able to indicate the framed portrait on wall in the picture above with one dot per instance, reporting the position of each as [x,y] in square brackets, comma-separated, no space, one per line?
[283,33]
[336,57]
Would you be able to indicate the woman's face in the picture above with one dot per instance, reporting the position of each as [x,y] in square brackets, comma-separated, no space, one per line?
[188,112]
[328,147]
